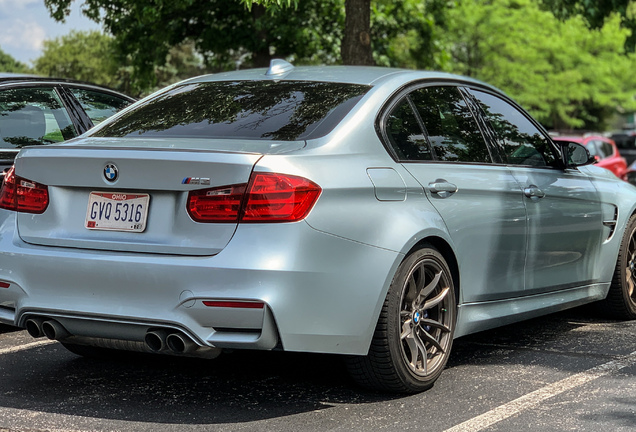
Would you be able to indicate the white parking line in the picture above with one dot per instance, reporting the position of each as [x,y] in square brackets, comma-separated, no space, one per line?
[26,346]
[533,399]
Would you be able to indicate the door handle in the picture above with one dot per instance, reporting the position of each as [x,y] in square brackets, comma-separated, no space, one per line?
[442,188]
[533,192]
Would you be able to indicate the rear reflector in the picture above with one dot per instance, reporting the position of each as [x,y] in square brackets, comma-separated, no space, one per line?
[4,285]
[23,195]
[268,197]
[234,304]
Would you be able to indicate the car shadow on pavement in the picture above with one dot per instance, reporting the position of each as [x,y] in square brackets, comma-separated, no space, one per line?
[575,332]
[241,386]
[244,386]
[8,329]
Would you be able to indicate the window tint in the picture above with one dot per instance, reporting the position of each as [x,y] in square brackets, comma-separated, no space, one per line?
[593,149]
[31,116]
[450,125]
[606,148]
[522,143]
[405,134]
[99,106]
[283,110]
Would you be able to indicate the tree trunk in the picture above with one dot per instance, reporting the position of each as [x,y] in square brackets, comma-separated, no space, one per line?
[260,54]
[356,43]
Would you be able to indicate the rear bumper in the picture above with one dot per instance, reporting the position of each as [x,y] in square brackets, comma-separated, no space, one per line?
[321,293]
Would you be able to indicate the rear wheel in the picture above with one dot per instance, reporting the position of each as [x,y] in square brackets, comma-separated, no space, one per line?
[414,334]
[621,299]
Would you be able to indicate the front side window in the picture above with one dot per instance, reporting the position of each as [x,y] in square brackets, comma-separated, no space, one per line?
[32,116]
[99,106]
[283,110]
[405,134]
[450,125]
[521,141]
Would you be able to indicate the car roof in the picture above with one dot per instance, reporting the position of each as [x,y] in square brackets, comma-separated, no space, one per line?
[569,138]
[10,78]
[363,75]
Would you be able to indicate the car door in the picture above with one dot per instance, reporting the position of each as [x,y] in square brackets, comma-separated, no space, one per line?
[433,133]
[564,209]
[31,115]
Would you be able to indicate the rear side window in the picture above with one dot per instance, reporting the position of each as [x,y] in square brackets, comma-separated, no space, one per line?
[99,106]
[450,125]
[32,116]
[284,110]
[405,134]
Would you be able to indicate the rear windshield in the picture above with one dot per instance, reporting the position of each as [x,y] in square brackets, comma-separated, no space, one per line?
[284,110]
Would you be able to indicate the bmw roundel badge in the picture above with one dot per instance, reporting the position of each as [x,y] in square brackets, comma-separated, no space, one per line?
[111,172]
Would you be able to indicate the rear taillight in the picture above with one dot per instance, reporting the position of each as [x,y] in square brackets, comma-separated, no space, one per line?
[221,204]
[279,198]
[268,197]
[23,195]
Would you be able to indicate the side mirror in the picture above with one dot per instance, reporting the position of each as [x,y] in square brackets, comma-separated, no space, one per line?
[575,154]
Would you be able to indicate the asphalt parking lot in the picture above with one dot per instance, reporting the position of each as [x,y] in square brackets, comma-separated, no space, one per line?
[572,371]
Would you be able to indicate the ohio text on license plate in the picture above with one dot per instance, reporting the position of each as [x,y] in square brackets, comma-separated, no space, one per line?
[117,211]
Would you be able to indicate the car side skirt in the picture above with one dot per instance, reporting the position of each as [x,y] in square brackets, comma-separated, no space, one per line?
[476,317]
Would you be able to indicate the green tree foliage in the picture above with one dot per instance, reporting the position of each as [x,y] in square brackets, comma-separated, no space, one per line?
[567,75]
[9,64]
[407,33]
[229,35]
[92,57]
[224,32]
[596,12]
[84,56]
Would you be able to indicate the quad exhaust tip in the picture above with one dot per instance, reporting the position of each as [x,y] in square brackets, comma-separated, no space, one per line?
[156,340]
[168,341]
[180,344]
[54,330]
[38,327]
[34,327]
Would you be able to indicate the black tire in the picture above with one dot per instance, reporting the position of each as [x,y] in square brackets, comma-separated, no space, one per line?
[620,302]
[418,315]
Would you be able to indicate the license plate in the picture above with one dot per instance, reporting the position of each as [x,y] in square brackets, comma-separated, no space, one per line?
[117,211]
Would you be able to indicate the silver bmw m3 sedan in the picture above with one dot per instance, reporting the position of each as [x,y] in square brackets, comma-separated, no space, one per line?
[370,212]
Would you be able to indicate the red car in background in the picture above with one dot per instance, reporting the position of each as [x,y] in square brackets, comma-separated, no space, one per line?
[604,150]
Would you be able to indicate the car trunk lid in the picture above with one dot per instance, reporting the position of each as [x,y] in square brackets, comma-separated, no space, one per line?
[166,174]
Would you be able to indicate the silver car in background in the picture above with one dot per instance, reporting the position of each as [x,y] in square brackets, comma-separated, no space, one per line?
[377,213]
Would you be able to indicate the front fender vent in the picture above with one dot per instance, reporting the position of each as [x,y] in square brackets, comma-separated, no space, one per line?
[609,224]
